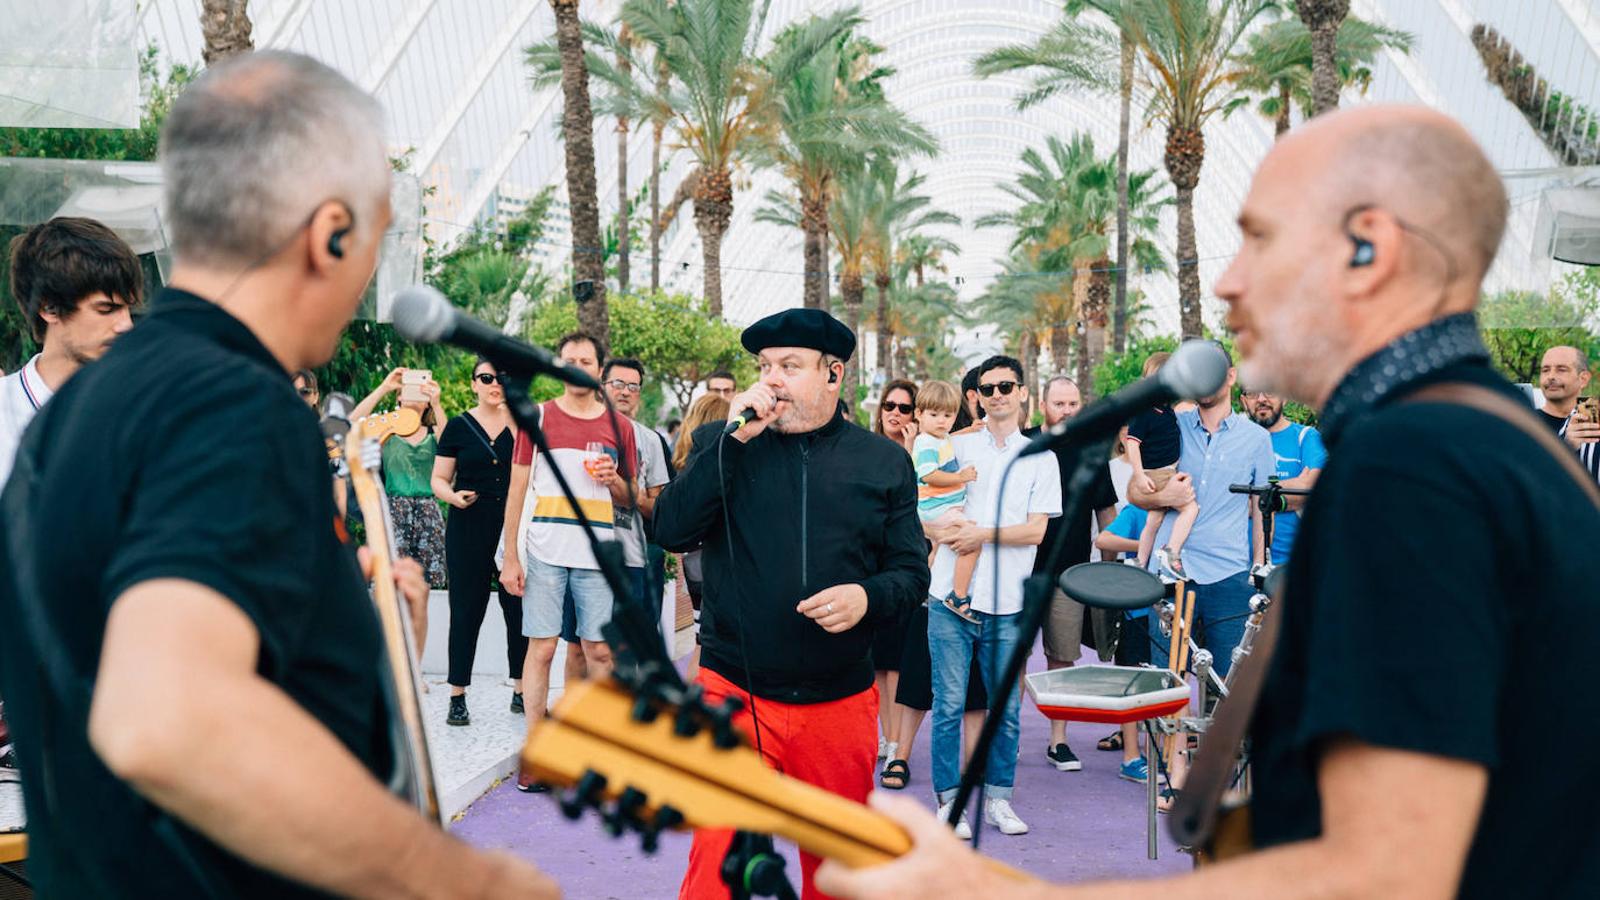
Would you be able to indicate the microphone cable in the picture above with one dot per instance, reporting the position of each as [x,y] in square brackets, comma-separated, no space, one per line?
[744,650]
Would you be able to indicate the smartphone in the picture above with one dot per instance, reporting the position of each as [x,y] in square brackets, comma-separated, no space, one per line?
[411,382]
[1589,408]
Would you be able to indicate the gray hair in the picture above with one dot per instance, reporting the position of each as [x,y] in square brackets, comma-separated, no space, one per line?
[253,147]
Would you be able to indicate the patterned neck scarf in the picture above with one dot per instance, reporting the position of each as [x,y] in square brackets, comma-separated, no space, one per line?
[1410,357]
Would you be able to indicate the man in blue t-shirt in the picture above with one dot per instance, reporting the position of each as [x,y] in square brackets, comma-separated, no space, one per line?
[1301,457]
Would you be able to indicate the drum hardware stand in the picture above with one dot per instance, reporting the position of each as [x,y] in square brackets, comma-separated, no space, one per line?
[753,868]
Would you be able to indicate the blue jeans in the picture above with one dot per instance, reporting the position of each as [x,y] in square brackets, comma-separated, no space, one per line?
[1219,613]
[950,642]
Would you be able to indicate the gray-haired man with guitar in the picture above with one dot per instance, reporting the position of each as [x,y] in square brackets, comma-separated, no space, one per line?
[192,664]
[1426,630]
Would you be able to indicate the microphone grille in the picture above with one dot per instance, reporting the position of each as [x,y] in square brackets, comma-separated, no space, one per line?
[422,314]
[1197,369]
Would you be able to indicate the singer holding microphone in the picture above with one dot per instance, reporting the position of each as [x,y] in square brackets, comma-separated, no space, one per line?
[810,536]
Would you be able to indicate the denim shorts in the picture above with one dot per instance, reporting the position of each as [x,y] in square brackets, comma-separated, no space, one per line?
[546,592]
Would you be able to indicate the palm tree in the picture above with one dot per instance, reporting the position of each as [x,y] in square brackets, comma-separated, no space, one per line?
[1063,225]
[1567,128]
[718,97]
[577,135]
[1277,65]
[920,253]
[1322,18]
[831,113]
[612,58]
[1187,47]
[1017,303]
[897,209]
[850,229]
[225,26]
[922,314]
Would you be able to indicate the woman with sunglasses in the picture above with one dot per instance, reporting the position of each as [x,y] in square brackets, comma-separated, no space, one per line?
[894,420]
[473,473]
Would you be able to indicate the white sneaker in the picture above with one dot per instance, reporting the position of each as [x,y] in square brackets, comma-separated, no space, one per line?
[998,812]
[963,828]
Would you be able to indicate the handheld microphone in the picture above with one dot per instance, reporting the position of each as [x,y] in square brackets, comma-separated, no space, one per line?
[1197,369]
[741,420]
[424,315]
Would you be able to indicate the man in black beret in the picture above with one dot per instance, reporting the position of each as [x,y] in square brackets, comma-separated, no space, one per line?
[810,538]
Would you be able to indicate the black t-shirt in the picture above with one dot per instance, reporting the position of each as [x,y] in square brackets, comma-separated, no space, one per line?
[1102,495]
[184,453]
[1160,440]
[1556,423]
[482,464]
[1441,595]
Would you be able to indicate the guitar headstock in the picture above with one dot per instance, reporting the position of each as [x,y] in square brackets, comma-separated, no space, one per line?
[371,431]
[649,765]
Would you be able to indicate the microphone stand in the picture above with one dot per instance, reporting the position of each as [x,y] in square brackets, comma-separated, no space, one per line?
[1036,591]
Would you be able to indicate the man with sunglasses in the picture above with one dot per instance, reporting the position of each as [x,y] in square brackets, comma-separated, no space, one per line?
[1032,497]
[1300,456]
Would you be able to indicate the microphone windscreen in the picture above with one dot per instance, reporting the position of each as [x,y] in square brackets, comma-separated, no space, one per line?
[422,314]
[1197,369]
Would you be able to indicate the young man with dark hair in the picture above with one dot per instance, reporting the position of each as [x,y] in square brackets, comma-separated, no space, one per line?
[722,383]
[76,283]
[1032,498]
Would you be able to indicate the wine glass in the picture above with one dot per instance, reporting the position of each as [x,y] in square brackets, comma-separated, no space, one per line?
[594,452]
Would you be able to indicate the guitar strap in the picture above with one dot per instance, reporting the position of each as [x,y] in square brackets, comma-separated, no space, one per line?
[1194,815]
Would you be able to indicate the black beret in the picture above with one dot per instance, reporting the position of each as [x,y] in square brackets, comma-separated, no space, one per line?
[802,327]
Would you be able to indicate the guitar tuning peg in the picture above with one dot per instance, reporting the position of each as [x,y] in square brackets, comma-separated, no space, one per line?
[625,814]
[587,793]
[644,709]
[666,819]
[722,730]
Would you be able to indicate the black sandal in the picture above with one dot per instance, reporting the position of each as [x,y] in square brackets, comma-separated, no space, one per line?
[1112,741]
[961,606]
[1170,795]
[897,769]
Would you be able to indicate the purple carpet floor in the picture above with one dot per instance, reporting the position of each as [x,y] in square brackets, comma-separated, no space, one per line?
[1085,825]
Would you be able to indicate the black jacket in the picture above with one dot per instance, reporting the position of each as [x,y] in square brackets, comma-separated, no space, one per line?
[834,506]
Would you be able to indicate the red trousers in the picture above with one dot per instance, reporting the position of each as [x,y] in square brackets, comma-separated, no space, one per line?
[832,745]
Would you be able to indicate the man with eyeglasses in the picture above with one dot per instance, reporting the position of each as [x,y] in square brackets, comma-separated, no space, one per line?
[1032,497]
[623,380]
[1300,455]
[722,384]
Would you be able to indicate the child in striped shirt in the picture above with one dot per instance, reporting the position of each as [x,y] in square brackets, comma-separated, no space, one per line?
[941,487]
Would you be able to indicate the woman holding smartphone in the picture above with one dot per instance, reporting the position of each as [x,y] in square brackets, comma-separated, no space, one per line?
[407,471]
[472,473]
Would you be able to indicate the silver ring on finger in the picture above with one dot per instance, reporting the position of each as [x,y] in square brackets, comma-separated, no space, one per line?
[829,608]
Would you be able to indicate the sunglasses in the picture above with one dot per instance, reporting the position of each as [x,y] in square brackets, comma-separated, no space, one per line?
[486,378]
[905,408]
[619,385]
[1004,387]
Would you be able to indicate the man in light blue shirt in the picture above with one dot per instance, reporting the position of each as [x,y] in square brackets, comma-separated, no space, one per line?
[1301,457]
[1220,447]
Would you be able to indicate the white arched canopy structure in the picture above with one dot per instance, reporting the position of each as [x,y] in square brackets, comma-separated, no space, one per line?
[450,75]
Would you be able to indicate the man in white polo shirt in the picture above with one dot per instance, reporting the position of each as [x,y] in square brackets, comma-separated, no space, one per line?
[1032,496]
[76,283]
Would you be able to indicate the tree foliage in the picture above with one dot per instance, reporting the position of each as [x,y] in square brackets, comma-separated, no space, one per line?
[671,334]
[1519,326]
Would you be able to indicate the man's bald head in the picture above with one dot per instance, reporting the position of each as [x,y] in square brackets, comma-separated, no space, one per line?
[1418,164]
[1408,182]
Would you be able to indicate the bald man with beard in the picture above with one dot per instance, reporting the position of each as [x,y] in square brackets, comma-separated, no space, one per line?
[1426,630]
